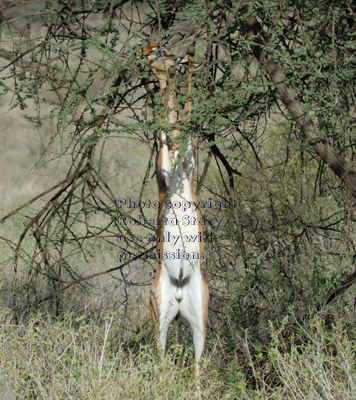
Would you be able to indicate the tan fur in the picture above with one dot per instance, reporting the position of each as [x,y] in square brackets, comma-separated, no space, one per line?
[155,301]
[163,67]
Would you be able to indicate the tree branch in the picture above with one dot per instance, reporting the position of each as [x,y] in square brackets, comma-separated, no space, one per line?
[335,161]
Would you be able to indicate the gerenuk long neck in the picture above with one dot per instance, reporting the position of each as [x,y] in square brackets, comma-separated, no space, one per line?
[174,169]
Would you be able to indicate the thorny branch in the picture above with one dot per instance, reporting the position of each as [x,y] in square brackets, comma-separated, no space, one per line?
[233,106]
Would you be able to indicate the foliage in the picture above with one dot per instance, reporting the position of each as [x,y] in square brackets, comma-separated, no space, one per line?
[283,237]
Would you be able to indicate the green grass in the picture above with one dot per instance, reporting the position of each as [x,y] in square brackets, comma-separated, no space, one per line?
[78,357]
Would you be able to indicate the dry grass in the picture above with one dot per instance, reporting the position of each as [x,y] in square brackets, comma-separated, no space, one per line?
[74,358]
[83,358]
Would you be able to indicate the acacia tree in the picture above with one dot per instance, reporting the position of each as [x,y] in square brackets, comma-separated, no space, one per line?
[274,108]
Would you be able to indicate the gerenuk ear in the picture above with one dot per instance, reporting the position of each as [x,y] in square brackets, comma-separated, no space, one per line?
[148,50]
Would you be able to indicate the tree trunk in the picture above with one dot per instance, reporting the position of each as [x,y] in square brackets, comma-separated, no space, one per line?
[334,160]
